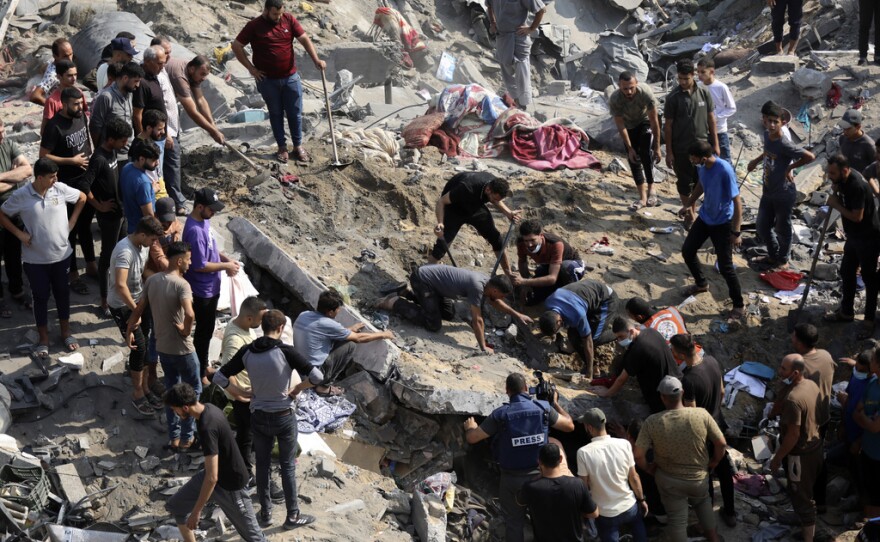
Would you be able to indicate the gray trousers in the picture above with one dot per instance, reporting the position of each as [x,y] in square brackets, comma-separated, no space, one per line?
[677,494]
[514,513]
[512,53]
[235,504]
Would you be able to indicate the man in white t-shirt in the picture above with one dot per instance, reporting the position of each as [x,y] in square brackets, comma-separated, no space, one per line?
[607,467]
[725,106]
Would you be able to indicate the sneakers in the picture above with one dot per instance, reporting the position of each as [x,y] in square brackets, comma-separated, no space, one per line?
[264,518]
[154,401]
[298,520]
[143,406]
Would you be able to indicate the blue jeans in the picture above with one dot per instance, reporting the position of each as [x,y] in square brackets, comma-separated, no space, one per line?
[182,368]
[609,528]
[284,96]
[267,426]
[774,224]
[724,147]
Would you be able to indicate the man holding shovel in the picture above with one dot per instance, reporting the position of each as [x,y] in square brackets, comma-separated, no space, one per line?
[852,198]
[274,69]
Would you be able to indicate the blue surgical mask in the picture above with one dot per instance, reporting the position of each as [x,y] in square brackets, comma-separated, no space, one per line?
[787,381]
[625,342]
[859,375]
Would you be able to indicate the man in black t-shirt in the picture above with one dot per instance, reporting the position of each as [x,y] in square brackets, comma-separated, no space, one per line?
[102,182]
[66,142]
[463,201]
[852,198]
[557,503]
[703,387]
[647,357]
[224,478]
[148,95]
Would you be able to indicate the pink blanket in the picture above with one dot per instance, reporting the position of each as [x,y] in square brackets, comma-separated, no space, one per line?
[551,146]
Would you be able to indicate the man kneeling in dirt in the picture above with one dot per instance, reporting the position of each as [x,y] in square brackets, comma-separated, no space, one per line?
[558,264]
[434,288]
[224,479]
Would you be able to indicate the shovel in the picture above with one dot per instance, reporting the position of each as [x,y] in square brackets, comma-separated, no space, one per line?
[795,314]
[336,164]
[261,175]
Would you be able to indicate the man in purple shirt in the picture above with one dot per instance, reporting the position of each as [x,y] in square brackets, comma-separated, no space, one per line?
[204,272]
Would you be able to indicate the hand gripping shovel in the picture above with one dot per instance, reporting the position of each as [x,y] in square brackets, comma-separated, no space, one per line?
[336,164]
[795,314]
[261,175]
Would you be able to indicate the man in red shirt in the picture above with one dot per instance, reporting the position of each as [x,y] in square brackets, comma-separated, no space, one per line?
[557,262]
[271,37]
[65,70]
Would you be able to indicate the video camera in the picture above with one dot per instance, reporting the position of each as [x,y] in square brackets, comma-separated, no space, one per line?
[544,390]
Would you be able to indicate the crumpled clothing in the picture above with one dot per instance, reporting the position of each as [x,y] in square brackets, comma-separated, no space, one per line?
[373,142]
[751,484]
[417,133]
[555,144]
[446,140]
[458,101]
[319,414]
[783,280]
[770,532]
[395,27]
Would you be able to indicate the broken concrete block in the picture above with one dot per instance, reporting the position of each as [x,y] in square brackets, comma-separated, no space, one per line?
[811,84]
[826,271]
[556,88]
[686,29]
[150,463]
[373,398]
[467,71]
[511,332]
[350,506]
[111,362]
[399,502]
[75,361]
[776,64]
[326,467]
[141,451]
[107,465]
[374,61]
[429,527]
[71,484]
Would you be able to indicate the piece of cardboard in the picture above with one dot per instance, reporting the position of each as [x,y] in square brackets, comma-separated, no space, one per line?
[354,452]
[761,447]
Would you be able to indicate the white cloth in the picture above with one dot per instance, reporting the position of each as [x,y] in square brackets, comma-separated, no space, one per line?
[754,386]
[172,125]
[607,461]
[725,107]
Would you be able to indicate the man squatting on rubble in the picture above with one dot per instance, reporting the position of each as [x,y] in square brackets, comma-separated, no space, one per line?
[513,44]
[558,263]
[518,430]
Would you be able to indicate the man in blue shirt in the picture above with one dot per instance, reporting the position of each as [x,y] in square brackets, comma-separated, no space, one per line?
[867,415]
[586,308]
[136,190]
[719,219]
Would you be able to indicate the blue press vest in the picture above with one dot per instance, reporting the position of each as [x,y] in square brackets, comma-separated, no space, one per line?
[524,429]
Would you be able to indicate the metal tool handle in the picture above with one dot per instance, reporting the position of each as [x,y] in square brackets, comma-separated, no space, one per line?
[815,259]
[243,157]
[329,117]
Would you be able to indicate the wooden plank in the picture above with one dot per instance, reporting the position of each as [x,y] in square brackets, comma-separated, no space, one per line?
[10,12]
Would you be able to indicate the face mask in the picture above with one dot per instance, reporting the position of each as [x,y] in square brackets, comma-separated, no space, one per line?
[536,249]
[625,342]
[787,381]
[858,375]
[682,364]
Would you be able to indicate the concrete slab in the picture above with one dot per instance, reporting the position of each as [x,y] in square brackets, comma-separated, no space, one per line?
[373,61]
[378,357]
[71,484]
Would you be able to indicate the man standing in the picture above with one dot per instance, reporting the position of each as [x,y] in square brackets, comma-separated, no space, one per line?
[149,93]
[126,289]
[719,219]
[46,251]
[271,37]
[869,12]
[327,344]
[852,198]
[171,155]
[186,79]
[779,192]
[855,144]
[725,106]
[238,334]
[61,50]
[122,53]
[819,367]
[799,445]
[66,142]
[519,429]
[558,264]
[169,298]
[646,357]
[607,467]
[224,478]
[136,190]
[690,117]
[634,109]
[65,70]
[557,502]
[681,466]
[204,273]
[153,123]
[867,416]
[115,101]
[14,170]
[435,287]
[513,44]
[777,23]
[274,371]
[704,388]
[585,308]
[463,201]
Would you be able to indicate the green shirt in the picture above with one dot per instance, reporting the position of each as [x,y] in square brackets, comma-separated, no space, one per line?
[9,151]
[689,112]
[679,438]
[634,111]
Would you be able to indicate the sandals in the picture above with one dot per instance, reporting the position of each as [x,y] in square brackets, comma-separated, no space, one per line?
[5,311]
[763,260]
[71,343]
[154,400]
[636,205]
[143,406]
[300,155]
[693,289]
[282,156]
[736,313]
[837,316]
[653,201]
[332,391]
[42,351]
[79,286]
[299,520]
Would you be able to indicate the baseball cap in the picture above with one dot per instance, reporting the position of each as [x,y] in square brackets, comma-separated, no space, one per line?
[593,417]
[208,198]
[850,118]
[669,386]
[165,210]
[123,44]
